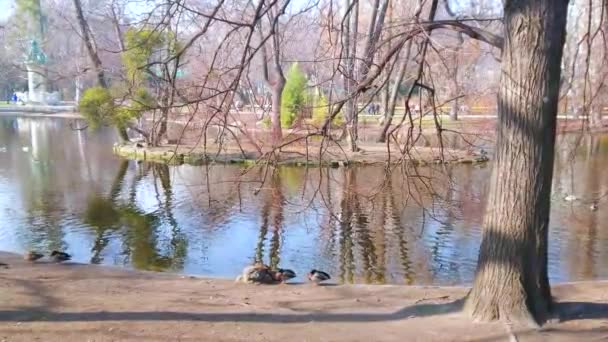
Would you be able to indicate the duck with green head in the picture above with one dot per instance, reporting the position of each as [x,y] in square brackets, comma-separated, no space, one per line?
[282,275]
[58,256]
[317,277]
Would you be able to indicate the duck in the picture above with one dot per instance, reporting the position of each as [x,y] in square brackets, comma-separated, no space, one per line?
[32,256]
[317,276]
[282,275]
[58,256]
[257,273]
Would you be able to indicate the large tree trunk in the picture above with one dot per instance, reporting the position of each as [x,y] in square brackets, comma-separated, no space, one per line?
[275,111]
[511,281]
[277,85]
[160,136]
[350,47]
[386,92]
[455,85]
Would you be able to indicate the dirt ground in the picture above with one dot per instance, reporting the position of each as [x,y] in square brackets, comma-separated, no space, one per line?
[73,302]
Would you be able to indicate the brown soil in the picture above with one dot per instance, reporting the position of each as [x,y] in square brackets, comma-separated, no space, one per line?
[72,302]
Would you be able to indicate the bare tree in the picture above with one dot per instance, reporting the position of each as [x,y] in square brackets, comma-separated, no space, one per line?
[114,11]
[404,59]
[277,82]
[421,65]
[89,42]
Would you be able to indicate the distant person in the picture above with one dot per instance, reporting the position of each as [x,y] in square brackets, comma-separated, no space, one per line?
[374,108]
[14,98]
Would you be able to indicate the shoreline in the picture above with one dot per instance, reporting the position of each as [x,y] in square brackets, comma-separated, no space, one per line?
[75,302]
[59,115]
[371,154]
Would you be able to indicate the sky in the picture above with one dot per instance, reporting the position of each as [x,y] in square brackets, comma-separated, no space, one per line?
[6,8]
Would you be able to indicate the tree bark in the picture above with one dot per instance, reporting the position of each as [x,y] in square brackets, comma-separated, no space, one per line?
[116,24]
[90,44]
[277,90]
[275,112]
[455,85]
[511,281]
[386,91]
[164,117]
[350,48]
[277,85]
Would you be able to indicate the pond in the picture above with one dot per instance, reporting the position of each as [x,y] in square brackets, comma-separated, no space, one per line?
[64,189]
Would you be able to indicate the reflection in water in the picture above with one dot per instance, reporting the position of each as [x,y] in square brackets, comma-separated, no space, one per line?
[347,214]
[111,216]
[272,214]
[67,191]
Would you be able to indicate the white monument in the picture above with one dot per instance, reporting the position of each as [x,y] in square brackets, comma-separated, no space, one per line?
[36,83]
[36,79]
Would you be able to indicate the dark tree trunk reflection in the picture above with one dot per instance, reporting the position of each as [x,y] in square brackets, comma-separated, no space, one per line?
[272,216]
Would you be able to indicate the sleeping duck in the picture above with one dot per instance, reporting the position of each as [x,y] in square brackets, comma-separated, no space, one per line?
[32,256]
[317,276]
[58,256]
[257,273]
[282,275]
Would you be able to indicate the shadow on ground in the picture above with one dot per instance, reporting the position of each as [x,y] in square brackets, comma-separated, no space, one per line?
[567,311]
[418,310]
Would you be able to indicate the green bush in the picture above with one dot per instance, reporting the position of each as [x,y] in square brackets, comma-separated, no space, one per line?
[140,45]
[142,101]
[321,110]
[127,100]
[294,93]
[97,106]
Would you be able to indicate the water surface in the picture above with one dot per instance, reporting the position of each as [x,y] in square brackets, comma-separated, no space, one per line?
[63,189]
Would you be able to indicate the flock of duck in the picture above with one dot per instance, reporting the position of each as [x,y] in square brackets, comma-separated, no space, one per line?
[55,256]
[259,273]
